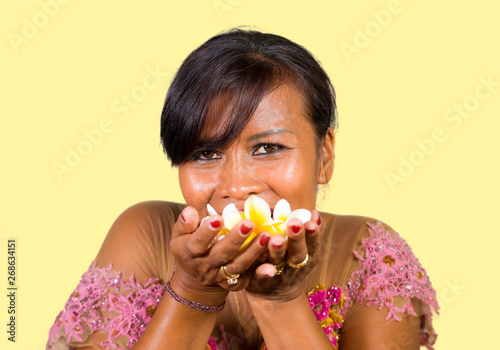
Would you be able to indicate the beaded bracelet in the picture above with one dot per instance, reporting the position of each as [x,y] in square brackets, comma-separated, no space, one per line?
[189,303]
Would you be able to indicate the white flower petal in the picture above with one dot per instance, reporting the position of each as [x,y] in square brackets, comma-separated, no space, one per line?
[231,216]
[282,210]
[257,210]
[303,215]
[211,210]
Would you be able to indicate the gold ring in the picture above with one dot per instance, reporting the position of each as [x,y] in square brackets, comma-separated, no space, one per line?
[231,279]
[299,265]
[279,268]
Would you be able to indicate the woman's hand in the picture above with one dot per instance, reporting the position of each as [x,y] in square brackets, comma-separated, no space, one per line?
[303,241]
[199,259]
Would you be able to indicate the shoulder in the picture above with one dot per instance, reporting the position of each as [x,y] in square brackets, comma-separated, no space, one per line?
[388,274]
[138,240]
[345,234]
[362,225]
[380,276]
[147,217]
[139,211]
[379,265]
[360,232]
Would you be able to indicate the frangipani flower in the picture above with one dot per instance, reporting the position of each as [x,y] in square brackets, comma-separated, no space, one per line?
[258,211]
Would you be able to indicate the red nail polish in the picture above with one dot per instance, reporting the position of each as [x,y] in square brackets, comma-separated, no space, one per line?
[215,223]
[245,229]
[319,220]
[264,240]
[295,229]
[183,219]
[278,246]
[310,232]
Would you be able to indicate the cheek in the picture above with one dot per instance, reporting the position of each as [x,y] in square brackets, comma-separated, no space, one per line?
[195,186]
[295,180]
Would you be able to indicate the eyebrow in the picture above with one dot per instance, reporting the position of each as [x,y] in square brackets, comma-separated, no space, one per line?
[267,133]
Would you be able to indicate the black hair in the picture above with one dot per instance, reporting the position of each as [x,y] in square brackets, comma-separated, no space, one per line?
[229,75]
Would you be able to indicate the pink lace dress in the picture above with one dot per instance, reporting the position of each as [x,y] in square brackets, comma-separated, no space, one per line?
[387,276]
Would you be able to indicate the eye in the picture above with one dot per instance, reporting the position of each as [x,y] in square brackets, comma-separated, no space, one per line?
[206,154]
[267,148]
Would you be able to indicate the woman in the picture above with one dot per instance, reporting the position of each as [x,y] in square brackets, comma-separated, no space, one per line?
[248,114]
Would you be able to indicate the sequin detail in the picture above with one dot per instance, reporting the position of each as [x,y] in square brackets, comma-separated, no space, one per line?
[389,269]
[322,303]
[325,304]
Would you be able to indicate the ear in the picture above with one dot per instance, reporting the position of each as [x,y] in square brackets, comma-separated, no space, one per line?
[327,158]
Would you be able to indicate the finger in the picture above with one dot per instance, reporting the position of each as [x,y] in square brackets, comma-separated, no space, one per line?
[244,260]
[199,242]
[316,217]
[316,223]
[297,247]
[313,235]
[224,281]
[314,232]
[265,271]
[311,227]
[241,265]
[225,249]
[277,249]
[187,222]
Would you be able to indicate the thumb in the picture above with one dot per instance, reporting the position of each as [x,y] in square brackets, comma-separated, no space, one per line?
[265,271]
[187,222]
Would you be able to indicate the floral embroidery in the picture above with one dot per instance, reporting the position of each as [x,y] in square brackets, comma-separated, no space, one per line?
[103,302]
[389,269]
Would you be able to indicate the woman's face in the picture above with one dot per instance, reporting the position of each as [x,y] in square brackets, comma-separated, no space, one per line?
[275,156]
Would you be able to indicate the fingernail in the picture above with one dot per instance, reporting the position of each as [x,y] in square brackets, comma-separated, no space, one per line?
[183,219]
[319,220]
[215,223]
[264,240]
[310,232]
[245,229]
[295,228]
[278,246]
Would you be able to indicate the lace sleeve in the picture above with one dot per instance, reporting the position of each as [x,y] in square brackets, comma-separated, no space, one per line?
[389,275]
[103,303]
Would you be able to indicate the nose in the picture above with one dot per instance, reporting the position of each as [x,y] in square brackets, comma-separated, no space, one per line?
[239,180]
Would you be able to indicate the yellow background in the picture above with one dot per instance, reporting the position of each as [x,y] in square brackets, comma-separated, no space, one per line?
[82,56]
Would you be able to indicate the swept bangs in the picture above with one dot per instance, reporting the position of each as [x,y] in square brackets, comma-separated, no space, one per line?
[221,83]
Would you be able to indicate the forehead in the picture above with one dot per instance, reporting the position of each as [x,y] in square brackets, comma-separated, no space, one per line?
[281,108]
